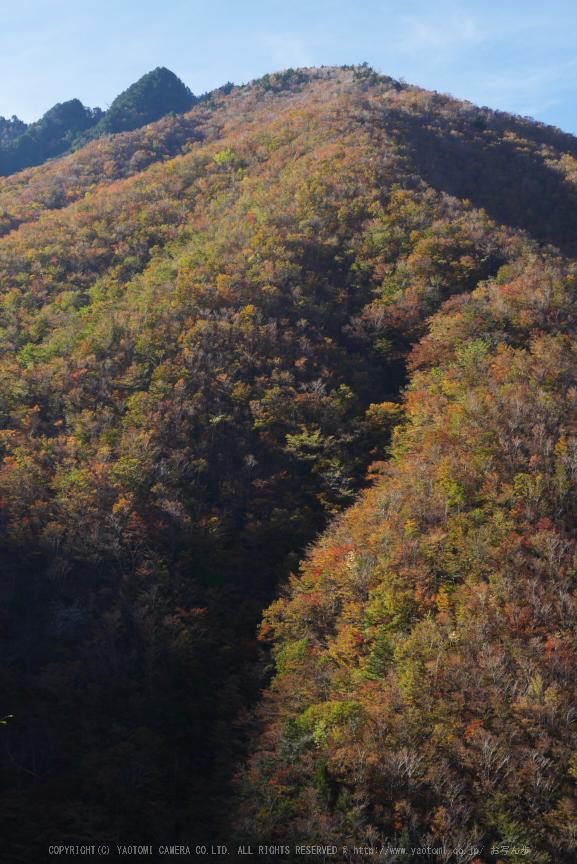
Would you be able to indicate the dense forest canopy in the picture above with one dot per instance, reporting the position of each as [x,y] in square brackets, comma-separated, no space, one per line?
[11,127]
[211,329]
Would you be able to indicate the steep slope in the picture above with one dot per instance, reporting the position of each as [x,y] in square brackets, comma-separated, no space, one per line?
[204,326]
[426,657]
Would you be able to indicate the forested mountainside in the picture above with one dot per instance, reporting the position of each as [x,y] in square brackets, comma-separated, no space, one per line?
[68,125]
[205,327]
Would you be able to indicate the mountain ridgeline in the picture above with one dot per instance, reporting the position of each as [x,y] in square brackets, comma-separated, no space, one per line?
[70,124]
[307,349]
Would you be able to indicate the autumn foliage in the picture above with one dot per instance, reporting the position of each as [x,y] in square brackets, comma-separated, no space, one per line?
[205,327]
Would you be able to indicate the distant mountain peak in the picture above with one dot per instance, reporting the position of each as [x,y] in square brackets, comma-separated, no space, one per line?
[151,97]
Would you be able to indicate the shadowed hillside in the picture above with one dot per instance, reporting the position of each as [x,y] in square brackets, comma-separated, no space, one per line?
[516,169]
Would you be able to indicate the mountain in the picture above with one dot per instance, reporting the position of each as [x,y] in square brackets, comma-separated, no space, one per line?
[324,319]
[48,137]
[70,124]
[150,98]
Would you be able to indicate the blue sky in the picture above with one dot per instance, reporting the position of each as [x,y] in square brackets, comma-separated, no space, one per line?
[512,55]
